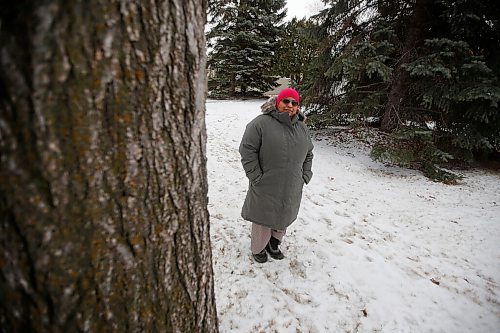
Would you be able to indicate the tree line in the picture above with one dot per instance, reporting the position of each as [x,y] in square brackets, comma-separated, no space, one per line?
[425,71]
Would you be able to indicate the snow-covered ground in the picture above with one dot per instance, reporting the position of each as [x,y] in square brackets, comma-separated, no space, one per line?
[374,249]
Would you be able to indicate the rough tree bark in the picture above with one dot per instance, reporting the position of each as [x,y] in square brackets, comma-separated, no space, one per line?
[103,185]
[393,114]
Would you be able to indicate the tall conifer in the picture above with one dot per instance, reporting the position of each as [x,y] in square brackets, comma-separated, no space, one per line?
[296,49]
[242,43]
[428,69]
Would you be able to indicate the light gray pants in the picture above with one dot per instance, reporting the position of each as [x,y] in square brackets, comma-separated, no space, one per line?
[261,236]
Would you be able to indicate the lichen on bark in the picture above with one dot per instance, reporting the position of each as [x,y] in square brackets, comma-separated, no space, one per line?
[103,189]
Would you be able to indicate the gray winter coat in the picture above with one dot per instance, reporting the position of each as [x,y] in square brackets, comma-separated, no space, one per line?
[276,153]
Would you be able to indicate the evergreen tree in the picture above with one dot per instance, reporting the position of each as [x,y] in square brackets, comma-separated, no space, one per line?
[243,39]
[296,50]
[428,69]
[351,73]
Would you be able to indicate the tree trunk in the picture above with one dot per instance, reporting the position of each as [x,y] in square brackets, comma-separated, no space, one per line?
[232,85]
[103,188]
[393,115]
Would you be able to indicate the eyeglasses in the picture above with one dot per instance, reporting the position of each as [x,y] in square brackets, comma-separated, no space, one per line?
[287,101]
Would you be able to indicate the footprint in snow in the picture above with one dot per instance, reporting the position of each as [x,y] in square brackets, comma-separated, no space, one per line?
[300,298]
[297,268]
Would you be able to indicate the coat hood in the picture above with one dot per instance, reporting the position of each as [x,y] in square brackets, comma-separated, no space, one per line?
[270,105]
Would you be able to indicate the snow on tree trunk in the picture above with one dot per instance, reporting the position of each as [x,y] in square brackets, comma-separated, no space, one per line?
[103,188]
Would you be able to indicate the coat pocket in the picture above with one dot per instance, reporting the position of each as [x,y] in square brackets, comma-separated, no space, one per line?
[257,180]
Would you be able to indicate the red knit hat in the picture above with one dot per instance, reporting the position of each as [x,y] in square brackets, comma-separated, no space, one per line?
[287,92]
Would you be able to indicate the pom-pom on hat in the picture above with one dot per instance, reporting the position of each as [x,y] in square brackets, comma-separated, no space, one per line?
[287,92]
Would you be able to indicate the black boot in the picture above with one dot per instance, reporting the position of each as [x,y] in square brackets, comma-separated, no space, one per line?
[260,257]
[273,248]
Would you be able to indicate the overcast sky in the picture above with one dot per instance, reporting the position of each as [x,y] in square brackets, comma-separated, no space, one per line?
[302,8]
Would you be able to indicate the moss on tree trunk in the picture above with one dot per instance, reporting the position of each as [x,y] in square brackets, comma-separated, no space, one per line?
[103,188]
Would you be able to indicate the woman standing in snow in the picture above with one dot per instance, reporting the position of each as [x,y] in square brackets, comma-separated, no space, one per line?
[276,153]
